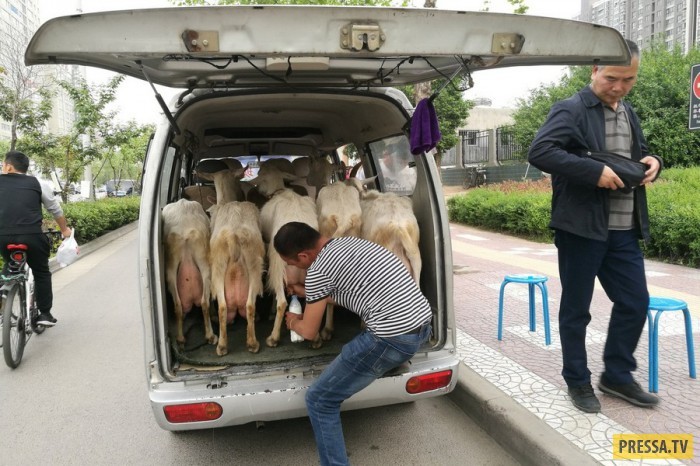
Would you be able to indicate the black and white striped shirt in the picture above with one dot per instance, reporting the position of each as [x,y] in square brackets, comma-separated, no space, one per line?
[370,281]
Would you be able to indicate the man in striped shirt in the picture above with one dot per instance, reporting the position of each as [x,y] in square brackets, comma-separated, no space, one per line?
[598,228]
[370,281]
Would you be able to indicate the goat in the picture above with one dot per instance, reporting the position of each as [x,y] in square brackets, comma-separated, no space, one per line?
[339,214]
[236,257]
[187,273]
[388,220]
[284,206]
[226,182]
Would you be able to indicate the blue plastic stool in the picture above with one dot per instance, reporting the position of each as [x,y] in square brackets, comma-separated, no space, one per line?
[660,305]
[532,282]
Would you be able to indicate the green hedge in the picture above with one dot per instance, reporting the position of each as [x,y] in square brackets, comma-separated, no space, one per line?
[523,209]
[92,219]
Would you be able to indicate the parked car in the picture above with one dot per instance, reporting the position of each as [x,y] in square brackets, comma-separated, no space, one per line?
[316,84]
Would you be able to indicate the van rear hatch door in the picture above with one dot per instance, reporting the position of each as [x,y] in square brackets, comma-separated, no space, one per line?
[240,46]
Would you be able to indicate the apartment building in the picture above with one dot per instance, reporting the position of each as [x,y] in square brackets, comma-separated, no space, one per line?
[19,19]
[672,21]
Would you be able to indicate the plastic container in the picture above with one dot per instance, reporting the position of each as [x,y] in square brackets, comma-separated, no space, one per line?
[295,308]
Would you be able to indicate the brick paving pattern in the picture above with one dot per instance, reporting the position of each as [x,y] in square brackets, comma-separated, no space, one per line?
[529,371]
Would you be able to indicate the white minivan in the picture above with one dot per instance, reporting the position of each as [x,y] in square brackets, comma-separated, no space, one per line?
[264,82]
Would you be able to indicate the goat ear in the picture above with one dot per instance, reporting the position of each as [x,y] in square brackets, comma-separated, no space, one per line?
[369,180]
[211,200]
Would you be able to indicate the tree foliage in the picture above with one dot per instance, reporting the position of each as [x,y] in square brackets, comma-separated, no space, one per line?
[66,156]
[25,98]
[660,98]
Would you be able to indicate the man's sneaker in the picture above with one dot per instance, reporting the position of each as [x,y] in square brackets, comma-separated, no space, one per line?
[584,399]
[630,392]
[46,319]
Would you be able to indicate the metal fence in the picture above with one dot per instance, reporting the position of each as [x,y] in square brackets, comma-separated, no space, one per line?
[506,148]
[475,146]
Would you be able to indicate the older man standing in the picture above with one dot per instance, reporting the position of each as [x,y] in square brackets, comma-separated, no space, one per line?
[598,227]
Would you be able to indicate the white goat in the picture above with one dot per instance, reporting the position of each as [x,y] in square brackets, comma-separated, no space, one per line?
[187,273]
[284,206]
[227,183]
[339,214]
[388,220]
[236,256]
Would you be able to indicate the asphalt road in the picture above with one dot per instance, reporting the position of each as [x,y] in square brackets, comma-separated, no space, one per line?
[79,397]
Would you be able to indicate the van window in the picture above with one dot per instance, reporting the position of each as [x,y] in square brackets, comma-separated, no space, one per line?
[396,166]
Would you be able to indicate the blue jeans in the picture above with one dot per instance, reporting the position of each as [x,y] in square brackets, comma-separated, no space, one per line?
[361,361]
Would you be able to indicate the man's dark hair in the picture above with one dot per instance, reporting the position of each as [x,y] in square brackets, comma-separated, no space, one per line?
[295,237]
[18,160]
[634,48]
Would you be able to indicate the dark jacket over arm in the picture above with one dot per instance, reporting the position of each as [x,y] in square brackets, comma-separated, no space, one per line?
[579,206]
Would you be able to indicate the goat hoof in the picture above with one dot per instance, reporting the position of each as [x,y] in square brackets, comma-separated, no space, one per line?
[254,348]
[212,340]
[221,350]
[316,344]
[326,335]
[271,342]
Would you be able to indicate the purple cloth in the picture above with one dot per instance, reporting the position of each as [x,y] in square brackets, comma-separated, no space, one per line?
[425,132]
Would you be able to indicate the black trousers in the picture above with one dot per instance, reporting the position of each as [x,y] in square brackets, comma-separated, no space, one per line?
[38,252]
[619,265]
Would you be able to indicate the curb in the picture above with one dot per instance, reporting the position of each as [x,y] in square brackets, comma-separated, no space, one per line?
[97,243]
[525,436]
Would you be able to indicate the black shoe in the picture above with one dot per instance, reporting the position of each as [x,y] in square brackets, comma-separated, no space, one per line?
[630,392]
[584,399]
[46,319]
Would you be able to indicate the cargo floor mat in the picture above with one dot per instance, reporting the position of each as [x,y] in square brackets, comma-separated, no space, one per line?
[198,352]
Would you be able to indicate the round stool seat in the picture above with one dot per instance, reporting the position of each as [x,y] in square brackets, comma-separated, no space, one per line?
[666,304]
[525,278]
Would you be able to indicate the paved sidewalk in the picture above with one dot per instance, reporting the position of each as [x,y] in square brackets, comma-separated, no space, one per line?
[528,371]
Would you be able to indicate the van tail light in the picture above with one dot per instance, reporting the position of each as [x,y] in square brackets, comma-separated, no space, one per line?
[428,382]
[194,412]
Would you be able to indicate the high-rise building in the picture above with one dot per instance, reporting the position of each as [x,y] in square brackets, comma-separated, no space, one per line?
[19,19]
[644,21]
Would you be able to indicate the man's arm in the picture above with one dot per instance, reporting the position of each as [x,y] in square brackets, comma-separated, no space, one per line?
[554,150]
[52,205]
[308,324]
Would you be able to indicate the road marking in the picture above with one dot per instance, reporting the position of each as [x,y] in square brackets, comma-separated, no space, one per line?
[551,269]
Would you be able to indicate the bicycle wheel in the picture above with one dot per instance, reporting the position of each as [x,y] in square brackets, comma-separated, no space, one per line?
[13,323]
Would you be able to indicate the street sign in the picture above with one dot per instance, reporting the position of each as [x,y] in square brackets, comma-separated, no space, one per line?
[694,116]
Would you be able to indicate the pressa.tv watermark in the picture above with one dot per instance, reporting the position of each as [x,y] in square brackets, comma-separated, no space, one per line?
[652,446]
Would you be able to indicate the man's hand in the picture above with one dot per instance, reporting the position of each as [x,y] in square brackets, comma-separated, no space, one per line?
[297,289]
[610,180]
[653,171]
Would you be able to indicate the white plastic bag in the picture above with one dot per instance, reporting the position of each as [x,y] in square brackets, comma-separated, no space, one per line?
[68,250]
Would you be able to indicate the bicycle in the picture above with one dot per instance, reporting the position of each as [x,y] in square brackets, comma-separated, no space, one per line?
[475,177]
[19,311]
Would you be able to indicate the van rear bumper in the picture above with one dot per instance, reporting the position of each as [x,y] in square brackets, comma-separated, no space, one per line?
[271,398]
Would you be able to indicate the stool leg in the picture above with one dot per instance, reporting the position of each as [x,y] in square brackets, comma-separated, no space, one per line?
[656,350]
[531,292]
[689,343]
[650,331]
[545,312]
[500,311]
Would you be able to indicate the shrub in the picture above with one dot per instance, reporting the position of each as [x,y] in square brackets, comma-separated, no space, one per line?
[523,209]
[92,219]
